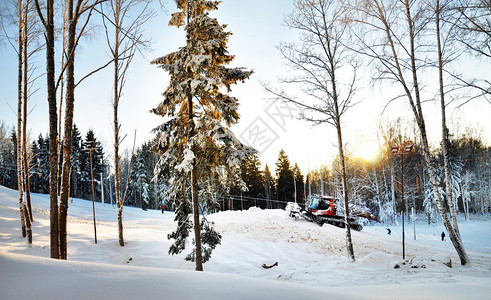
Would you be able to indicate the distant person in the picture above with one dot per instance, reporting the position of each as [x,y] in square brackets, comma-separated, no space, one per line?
[443,236]
[163,208]
[388,231]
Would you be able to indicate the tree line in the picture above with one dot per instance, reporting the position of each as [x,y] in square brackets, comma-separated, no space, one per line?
[374,184]
[142,191]
[378,184]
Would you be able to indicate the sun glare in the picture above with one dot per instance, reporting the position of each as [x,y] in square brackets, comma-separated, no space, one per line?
[368,151]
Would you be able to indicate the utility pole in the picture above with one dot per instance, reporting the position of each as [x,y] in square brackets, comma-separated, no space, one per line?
[102,188]
[295,186]
[414,222]
[310,187]
[406,150]
[90,146]
[111,192]
[241,201]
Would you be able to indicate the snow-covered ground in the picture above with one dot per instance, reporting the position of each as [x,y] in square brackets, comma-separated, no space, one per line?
[312,261]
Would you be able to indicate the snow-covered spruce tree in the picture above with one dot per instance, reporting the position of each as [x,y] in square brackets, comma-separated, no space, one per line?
[284,178]
[429,203]
[468,180]
[141,181]
[195,143]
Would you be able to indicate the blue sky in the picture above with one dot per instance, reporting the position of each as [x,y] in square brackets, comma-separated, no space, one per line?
[257,28]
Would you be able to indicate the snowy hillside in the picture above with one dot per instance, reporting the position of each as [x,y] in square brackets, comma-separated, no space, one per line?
[312,261]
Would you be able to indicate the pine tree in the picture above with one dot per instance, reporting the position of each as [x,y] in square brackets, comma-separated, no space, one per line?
[299,184]
[83,178]
[161,193]
[77,160]
[252,185]
[90,141]
[143,189]
[141,180]
[34,171]
[194,142]
[44,162]
[255,178]
[13,138]
[269,190]
[5,150]
[284,178]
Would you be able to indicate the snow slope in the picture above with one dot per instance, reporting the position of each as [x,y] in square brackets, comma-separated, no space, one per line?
[312,261]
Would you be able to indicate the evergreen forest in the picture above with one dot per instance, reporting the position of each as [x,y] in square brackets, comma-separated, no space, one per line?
[376,185]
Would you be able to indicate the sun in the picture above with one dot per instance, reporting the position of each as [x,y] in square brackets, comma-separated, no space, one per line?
[369,151]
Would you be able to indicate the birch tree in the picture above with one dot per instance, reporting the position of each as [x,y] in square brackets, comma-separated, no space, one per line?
[47,19]
[473,22]
[126,18]
[75,11]
[389,36]
[27,47]
[318,60]
[25,66]
[30,47]
[20,78]
[466,26]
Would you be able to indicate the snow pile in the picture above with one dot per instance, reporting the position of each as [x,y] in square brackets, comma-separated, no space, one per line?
[312,261]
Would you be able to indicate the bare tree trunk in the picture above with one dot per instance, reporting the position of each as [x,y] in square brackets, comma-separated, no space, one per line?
[25,158]
[392,63]
[117,178]
[337,121]
[454,237]
[26,203]
[62,84]
[349,242]
[120,224]
[197,227]
[68,127]
[117,174]
[446,165]
[194,193]
[19,121]
[127,38]
[48,23]
[453,231]
[457,242]
[53,131]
